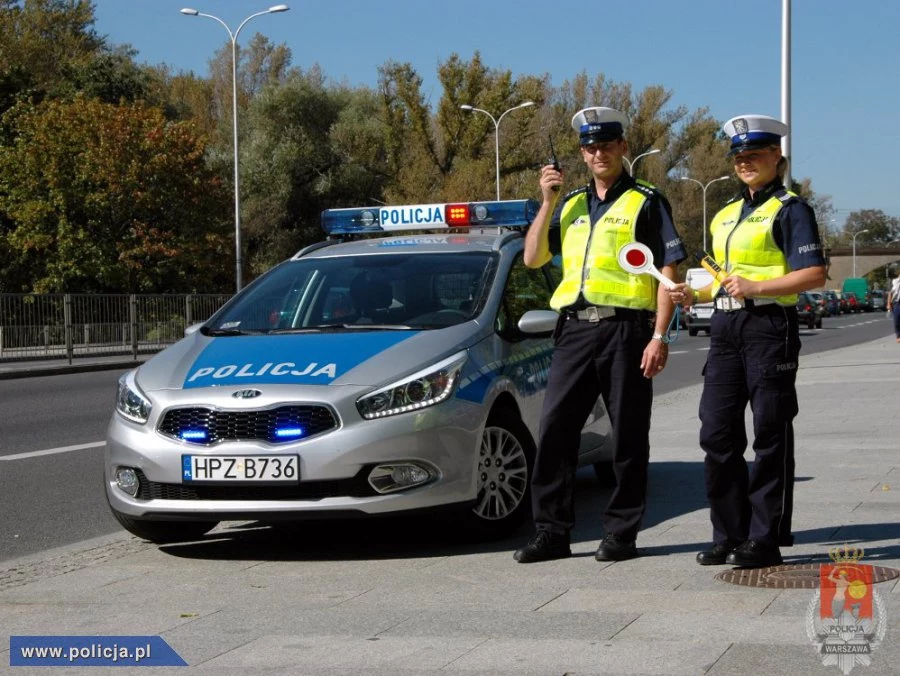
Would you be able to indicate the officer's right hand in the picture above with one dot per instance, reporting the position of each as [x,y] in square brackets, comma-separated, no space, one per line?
[551,182]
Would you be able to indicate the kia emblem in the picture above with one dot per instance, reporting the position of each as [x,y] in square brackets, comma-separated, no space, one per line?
[246,394]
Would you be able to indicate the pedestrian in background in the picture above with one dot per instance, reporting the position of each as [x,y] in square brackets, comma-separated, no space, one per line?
[767,243]
[893,304]
[610,339]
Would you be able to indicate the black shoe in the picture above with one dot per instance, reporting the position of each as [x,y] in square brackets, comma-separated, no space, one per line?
[754,554]
[544,546]
[615,548]
[715,555]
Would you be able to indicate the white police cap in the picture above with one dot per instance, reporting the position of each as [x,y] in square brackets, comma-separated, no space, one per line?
[750,132]
[598,124]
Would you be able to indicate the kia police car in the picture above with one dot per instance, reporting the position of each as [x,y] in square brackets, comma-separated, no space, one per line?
[364,376]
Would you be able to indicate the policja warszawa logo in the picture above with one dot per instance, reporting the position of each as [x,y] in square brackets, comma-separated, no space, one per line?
[846,618]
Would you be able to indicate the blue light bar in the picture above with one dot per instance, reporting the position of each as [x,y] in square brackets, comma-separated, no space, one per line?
[194,435]
[505,213]
[289,432]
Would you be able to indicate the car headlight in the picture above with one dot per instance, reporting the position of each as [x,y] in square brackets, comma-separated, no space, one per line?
[130,401]
[428,387]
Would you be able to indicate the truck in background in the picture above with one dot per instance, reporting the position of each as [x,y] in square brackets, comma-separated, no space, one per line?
[859,287]
[699,317]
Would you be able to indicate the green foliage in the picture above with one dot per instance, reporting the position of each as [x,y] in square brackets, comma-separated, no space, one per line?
[99,197]
[118,177]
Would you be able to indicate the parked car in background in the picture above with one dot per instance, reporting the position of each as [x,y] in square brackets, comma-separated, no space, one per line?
[878,300]
[832,303]
[853,304]
[819,298]
[809,312]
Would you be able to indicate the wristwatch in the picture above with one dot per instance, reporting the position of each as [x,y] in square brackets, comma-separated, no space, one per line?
[662,338]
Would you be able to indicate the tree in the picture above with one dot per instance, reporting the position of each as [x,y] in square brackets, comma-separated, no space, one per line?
[97,197]
[44,43]
[881,227]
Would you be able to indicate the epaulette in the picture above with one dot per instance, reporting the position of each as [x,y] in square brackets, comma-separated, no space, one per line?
[786,196]
[647,188]
[572,193]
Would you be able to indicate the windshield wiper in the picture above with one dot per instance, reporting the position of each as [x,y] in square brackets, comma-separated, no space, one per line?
[348,327]
[228,332]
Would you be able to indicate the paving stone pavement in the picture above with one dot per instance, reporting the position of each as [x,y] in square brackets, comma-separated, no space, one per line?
[412,596]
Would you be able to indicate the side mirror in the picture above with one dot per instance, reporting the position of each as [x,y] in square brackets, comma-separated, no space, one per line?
[538,322]
[193,328]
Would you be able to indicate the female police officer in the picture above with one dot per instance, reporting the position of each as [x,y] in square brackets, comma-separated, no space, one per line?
[767,243]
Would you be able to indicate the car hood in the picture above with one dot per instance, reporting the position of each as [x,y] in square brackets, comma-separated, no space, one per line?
[368,358]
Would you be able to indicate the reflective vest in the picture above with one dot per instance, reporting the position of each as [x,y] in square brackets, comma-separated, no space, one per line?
[747,248]
[589,253]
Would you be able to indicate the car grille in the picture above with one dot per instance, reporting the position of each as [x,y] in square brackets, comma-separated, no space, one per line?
[247,425]
[355,487]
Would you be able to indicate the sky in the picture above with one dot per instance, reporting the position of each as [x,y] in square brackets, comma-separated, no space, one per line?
[722,54]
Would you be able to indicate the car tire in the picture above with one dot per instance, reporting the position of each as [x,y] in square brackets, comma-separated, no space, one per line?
[692,332]
[811,324]
[505,462]
[819,323]
[162,532]
[603,470]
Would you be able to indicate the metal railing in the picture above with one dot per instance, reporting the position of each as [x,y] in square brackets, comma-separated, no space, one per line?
[54,326]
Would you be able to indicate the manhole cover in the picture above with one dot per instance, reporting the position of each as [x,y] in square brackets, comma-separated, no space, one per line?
[793,576]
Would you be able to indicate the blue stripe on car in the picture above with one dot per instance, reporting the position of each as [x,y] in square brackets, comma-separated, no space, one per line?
[317,359]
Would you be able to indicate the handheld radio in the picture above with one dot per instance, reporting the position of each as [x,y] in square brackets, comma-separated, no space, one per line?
[553,159]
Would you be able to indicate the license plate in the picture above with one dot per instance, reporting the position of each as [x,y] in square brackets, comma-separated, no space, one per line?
[703,312]
[239,468]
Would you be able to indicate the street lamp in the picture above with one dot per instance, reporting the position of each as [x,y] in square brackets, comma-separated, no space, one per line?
[630,164]
[497,132]
[854,235]
[688,178]
[237,189]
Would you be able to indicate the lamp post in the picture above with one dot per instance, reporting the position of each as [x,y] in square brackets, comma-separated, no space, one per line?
[854,235]
[496,122]
[704,187]
[630,163]
[234,115]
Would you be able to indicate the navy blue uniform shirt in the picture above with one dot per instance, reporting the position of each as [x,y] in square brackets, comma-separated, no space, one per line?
[795,229]
[654,227]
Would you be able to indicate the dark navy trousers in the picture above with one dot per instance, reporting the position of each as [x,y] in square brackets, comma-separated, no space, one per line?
[752,358]
[591,360]
[895,311]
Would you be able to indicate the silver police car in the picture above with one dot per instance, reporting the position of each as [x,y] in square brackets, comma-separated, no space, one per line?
[367,375]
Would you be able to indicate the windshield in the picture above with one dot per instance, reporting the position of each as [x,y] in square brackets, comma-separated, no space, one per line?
[384,291]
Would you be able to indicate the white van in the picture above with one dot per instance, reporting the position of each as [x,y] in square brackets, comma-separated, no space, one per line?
[699,316]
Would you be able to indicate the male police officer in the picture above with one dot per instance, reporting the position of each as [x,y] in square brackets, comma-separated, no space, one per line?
[767,242]
[605,344]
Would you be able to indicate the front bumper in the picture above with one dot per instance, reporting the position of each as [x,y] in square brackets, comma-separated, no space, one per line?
[334,468]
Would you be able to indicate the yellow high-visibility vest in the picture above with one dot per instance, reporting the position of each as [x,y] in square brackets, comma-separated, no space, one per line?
[589,251]
[747,248]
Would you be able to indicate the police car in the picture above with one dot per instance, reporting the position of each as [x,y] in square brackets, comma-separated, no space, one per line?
[363,376]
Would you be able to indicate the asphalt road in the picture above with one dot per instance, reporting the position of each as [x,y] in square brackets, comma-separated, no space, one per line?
[51,493]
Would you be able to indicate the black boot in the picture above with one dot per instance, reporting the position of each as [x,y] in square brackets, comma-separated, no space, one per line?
[715,555]
[615,548]
[754,554]
[544,546]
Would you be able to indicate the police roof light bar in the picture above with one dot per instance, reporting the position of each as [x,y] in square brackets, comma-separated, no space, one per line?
[495,214]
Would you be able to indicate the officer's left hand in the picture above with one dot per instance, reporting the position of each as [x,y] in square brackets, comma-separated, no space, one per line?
[654,360]
[738,287]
